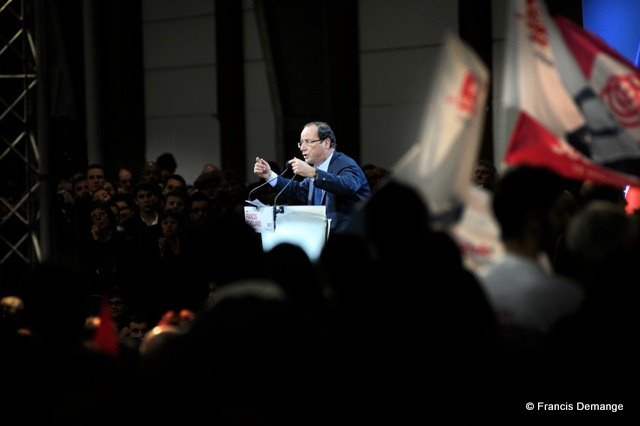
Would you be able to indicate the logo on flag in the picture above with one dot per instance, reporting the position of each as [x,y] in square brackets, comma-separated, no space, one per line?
[622,95]
[468,97]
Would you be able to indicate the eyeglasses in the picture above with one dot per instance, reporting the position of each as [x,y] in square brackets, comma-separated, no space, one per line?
[308,142]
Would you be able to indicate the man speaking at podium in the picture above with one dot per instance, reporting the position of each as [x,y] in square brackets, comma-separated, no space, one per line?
[331,178]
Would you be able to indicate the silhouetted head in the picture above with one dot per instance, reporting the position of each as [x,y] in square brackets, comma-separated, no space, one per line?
[56,304]
[394,214]
[527,204]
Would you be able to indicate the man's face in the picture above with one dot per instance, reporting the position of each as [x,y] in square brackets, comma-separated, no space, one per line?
[151,172]
[313,150]
[169,227]
[95,177]
[199,211]
[124,211]
[146,201]
[108,186]
[481,174]
[172,185]
[99,218]
[116,306]
[81,189]
[174,203]
[125,180]
[138,329]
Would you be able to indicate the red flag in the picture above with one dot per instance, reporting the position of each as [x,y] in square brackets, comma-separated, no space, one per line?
[532,144]
[106,335]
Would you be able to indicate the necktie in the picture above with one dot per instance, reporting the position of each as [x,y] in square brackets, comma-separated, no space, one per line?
[315,194]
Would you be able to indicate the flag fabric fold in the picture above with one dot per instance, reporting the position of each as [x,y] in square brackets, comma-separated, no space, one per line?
[565,123]
[440,164]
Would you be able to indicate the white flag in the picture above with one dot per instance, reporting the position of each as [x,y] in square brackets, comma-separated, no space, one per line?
[440,164]
[478,233]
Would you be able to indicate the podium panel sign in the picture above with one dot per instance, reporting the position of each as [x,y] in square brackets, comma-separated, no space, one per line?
[260,218]
[304,226]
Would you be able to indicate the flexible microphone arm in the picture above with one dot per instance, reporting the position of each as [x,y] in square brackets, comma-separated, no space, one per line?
[275,200]
[266,182]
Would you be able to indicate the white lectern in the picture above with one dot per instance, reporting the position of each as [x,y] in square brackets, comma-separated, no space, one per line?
[305,226]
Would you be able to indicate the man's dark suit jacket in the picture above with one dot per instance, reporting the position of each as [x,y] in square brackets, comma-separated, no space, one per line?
[344,184]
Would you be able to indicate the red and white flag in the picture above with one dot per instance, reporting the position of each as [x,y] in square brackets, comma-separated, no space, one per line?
[440,164]
[614,79]
[562,124]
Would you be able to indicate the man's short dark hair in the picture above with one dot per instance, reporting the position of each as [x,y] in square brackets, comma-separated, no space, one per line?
[324,132]
[167,161]
[145,186]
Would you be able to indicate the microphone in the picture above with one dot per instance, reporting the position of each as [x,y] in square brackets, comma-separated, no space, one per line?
[268,181]
[275,201]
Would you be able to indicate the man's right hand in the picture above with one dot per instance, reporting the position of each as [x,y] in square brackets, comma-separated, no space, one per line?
[262,169]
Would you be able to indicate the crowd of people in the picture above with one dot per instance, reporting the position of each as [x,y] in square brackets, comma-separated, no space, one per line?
[387,325]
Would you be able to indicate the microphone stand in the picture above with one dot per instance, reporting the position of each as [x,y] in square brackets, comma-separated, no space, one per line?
[275,201]
[266,182]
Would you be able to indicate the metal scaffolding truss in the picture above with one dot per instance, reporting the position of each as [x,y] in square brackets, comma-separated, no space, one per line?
[19,154]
